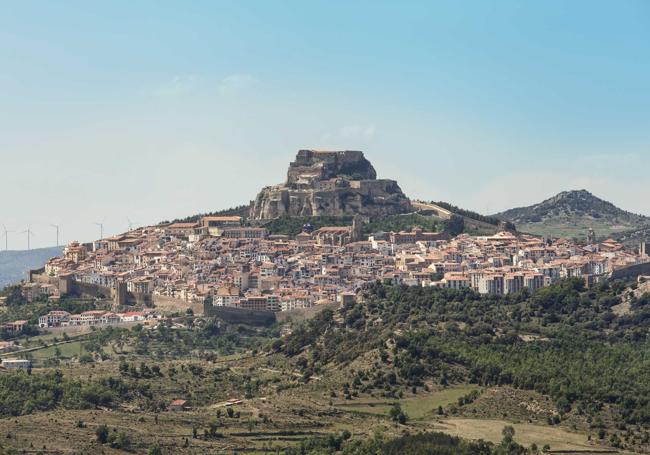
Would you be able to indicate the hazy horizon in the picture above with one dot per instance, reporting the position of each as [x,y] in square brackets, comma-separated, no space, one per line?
[149,111]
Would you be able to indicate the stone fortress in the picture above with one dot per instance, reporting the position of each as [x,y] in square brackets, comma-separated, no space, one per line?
[333,183]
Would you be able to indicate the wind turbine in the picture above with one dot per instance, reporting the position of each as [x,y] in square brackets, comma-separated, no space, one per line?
[29,233]
[56,226]
[131,224]
[101,230]
[5,234]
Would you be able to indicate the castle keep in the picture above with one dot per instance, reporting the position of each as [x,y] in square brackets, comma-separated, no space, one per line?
[330,183]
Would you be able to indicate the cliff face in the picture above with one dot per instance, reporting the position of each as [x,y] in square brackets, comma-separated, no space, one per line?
[330,183]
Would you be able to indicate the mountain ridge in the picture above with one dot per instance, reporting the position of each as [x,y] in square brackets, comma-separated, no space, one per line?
[14,263]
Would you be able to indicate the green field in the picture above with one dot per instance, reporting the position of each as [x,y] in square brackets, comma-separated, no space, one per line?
[67,350]
[416,407]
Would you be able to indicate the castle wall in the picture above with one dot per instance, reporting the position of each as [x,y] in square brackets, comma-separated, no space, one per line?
[233,315]
[88,290]
[38,276]
[171,305]
[632,271]
[119,295]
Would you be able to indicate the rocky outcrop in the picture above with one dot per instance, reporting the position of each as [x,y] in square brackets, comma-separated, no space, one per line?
[311,166]
[330,183]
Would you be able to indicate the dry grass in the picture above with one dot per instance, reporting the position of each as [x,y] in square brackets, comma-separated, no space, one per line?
[525,433]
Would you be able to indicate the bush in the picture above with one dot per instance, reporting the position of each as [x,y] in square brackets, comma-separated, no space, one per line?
[102,434]
[119,440]
[154,449]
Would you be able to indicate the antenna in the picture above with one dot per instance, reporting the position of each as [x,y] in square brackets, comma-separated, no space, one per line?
[29,233]
[5,234]
[56,226]
[101,230]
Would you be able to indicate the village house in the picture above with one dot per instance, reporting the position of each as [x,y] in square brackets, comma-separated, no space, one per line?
[54,319]
[14,328]
[178,406]
[16,364]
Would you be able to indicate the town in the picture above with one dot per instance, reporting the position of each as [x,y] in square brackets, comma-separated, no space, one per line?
[218,261]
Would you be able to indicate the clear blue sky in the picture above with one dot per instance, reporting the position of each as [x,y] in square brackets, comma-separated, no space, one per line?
[152,110]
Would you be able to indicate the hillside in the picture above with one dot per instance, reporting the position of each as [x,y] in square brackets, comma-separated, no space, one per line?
[402,339]
[572,214]
[378,376]
[14,264]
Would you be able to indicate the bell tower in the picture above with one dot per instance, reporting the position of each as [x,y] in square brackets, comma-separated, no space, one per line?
[357,225]
[591,236]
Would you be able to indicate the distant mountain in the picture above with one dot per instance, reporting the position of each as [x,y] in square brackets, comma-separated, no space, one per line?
[572,214]
[14,264]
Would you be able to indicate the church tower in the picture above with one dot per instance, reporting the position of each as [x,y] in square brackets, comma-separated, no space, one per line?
[591,236]
[357,225]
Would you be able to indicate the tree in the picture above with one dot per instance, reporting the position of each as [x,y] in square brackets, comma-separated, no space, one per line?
[397,414]
[454,225]
[120,441]
[508,433]
[102,434]
[154,449]
[214,424]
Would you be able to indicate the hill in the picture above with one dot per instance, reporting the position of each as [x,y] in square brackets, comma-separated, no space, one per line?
[400,339]
[14,264]
[572,214]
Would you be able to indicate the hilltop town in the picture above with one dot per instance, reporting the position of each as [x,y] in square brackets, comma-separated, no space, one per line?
[219,261]
[224,261]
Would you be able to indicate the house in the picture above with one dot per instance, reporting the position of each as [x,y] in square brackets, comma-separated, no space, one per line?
[178,406]
[14,327]
[417,235]
[6,346]
[75,252]
[244,233]
[181,229]
[333,235]
[214,225]
[34,291]
[53,319]
[227,296]
[140,285]
[345,298]
[16,364]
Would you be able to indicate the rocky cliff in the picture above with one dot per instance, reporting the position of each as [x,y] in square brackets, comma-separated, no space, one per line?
[330,183]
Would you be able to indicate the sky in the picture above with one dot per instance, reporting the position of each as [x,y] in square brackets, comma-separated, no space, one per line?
[151,110]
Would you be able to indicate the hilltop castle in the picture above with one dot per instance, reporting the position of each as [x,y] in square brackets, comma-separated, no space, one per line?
[330,183]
